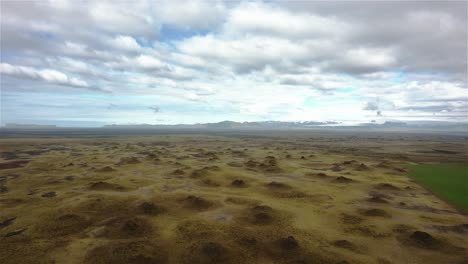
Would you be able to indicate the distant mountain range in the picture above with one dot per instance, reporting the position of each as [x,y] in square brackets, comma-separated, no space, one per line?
[265,125]
[236,125]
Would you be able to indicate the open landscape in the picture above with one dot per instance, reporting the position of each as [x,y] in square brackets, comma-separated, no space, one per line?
[233,132]
[279,197]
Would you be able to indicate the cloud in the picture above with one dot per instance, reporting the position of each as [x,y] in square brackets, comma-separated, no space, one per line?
[244,55]
[46,75]
[372,106]
[262,18]
[191,14]
[125,43]
[149,62]
[240,60]
[155,109]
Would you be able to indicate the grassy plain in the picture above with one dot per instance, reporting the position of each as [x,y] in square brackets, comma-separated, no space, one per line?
[280,198]
[449,181]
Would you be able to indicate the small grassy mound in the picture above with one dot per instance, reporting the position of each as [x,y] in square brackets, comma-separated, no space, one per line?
[449,181]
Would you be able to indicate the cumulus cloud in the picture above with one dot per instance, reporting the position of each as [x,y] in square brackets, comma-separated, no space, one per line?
[126,43]
[46,75]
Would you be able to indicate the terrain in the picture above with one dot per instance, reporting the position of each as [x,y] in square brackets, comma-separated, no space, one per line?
[227,198]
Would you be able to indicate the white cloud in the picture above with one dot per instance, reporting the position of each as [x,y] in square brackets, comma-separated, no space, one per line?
[262,18]
[191,14]
[125,43]
[244,54]
[47,75]
[124,17]
[149,62]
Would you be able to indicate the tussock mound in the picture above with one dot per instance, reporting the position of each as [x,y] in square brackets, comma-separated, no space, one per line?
[178,172]
[269,164]
[375,212]
[203,171]
[105,169]
[238,183]
[105,186]
[424,240]
[49,195]
[149,208]
[260,215]
[234,164]
[348,162]
[362,167]
[386,186]
[69,178]
[128,160]
[3,189]
[377,199]
[196,203]
[251,164]
[342,179]
[66,224]
[344,244]
[288,243]
[336,168]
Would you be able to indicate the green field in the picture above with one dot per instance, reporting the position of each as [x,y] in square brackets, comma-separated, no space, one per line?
[448,181]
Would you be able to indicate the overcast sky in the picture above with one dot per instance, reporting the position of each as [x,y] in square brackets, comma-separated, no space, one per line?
[93,62]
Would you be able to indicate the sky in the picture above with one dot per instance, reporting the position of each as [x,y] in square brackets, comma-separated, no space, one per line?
[91,63]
